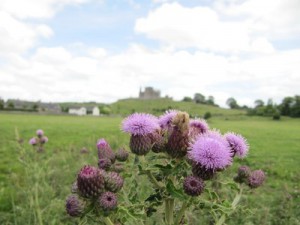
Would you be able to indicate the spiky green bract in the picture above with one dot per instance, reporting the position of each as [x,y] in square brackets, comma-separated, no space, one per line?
[122,155]
[113,182]
[90,181]
[159,141]
[202,172]
[193,186]
[75,206]
[140,144]
[108,201]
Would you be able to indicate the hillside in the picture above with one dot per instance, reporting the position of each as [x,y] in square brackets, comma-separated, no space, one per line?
[158,106]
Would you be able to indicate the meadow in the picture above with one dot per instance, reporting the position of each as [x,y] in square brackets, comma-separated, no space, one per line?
[34,186]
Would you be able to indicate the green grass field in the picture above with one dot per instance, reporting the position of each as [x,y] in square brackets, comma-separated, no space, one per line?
[38,196]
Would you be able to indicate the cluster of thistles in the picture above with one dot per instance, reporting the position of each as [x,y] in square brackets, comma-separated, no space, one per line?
[207,151]
[39,140]
[98,186]
[253,179]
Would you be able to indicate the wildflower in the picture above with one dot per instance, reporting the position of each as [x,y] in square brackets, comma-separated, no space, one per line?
[104,163]
[108,201]
[75,206]
[43,140]
[165,121]
[211,152]
[178,141]
[159,141]
[90,181]
[39,133]
[193,186]
[140,126]
[197,127]
[122,155]
[238,144]
[33,141]
[256,178]
[113,181]
[104,150]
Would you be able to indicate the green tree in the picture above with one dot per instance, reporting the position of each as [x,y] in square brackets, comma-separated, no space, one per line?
[286,105]
[199,98]
[1,103]
[259,103]
[232,103]
[187,99]
[10,105]
[210,100]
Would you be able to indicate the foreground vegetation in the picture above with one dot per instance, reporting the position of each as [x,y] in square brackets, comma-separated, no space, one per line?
[34,193]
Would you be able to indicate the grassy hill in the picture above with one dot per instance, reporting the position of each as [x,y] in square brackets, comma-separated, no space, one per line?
[158,106]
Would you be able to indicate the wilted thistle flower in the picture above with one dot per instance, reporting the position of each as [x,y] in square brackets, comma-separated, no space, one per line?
[39,133]
[238,144]
[108,201]
[159,141]
[43,140]
[104,163]
[256,178]
[113,182]
[193,186]
[197,127]
[122,155]
[140,126]
[33,141]
[90,181]
[210,152]
[104,150]
[74,205]
[178,141]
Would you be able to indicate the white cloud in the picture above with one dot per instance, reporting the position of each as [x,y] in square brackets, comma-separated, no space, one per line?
[54,74]
[35,8]
[200,27]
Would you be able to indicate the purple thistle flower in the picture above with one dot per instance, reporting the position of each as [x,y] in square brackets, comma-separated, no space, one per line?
[44,140]
[140,124]
[33,141]
[108,201]
[193,186]
[165,121]
[74,206]
[238,144]
[39,132]
[200,125]
[210,152]
[256,178]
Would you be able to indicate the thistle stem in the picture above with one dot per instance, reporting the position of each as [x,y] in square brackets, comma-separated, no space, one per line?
[107,221]
[153,180]
[182,211]
[169,208]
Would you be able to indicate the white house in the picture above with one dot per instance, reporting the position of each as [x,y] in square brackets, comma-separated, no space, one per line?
[96,111]
[80,111]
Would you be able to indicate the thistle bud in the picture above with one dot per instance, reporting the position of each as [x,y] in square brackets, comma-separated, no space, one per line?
[256,178]
[43,140]
[108,201]
[104,150]
[193,186]
[159,142]
[113,182]
[117,167]
[33,141]
[202,172]
[90,181]
[39,133]
[243,173]
[104,163]
[75,206]
[140,144]
[122,155]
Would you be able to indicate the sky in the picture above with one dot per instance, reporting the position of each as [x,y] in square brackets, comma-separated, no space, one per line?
[100,50]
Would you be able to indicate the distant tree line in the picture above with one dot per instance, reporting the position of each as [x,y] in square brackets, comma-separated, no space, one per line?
[290,106]
[200,99]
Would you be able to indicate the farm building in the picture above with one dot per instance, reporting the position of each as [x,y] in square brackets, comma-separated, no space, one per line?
[80,111]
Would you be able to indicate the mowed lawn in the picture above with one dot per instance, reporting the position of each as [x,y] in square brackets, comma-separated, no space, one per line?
[274,147]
